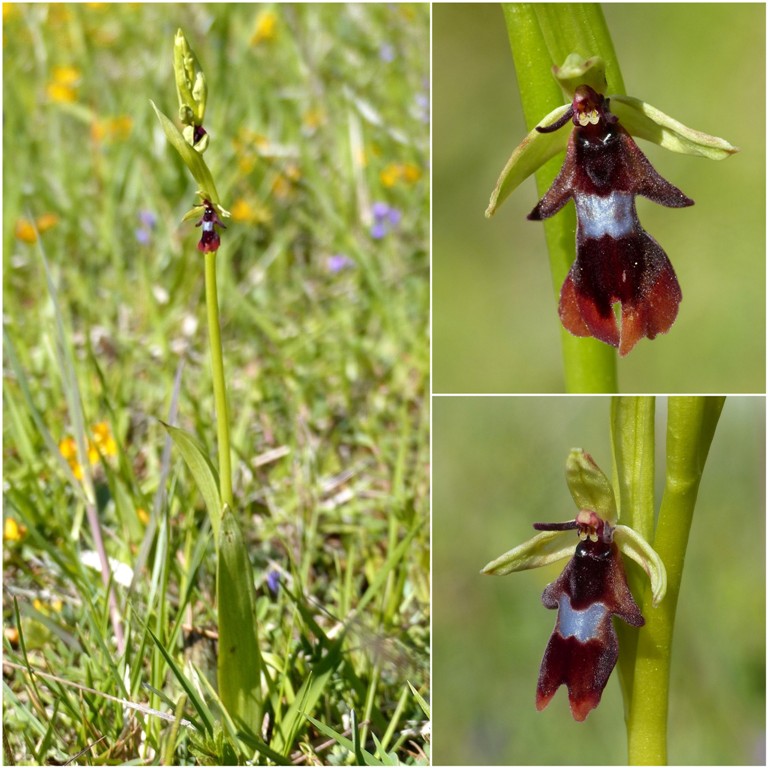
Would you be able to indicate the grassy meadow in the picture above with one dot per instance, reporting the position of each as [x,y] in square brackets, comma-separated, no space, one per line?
[319,125]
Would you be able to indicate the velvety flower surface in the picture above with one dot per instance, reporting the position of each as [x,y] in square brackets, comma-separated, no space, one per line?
[616,259]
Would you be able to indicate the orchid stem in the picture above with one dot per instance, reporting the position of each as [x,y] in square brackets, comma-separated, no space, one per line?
[540,35]
[219,381]
[691,424]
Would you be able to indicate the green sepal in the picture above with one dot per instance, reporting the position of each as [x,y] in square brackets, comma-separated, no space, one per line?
[198,210]
[186,116]
[577,71]
[634,546]
[544,548]
[532,152]
[589,487]
[645,121]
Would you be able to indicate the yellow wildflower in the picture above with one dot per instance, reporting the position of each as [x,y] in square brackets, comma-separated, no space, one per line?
[389,175]
[68,449]
[313,118]
[395,172]
[46,221]
[266,28]
[54,606]
[411,173]
[244,211]
[102,444]
[25,229]
[63,86]
[13,530]
[285,182]
[102,437]
[111,128]
[143,515]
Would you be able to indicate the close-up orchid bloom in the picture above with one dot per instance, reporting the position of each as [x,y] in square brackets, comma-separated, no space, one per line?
[604,170]
[584,648]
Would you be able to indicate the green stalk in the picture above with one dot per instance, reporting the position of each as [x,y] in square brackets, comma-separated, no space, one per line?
[219,382]
[633,439]
[542,35]
[691,425]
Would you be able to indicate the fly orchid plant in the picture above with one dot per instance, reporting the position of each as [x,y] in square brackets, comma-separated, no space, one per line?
[239,664]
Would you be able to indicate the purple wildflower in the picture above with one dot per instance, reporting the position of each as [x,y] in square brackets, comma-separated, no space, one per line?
[147,222]
[385,219]
[273,580]
[387,53]
[337,262]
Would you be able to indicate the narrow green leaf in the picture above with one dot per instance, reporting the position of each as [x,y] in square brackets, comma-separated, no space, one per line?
[368,758]
[192,159]
[197,703]
[307,698]
[202,471]
[239,664]
[386,758]
[425,708]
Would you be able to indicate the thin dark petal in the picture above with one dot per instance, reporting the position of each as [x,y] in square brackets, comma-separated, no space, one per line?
[561,190]
[647,181]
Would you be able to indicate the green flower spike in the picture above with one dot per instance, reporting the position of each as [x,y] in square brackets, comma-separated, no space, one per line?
[637,117]
[193,140]
[192,92]
[596,517]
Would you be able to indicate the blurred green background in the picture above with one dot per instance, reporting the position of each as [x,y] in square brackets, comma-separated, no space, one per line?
[499,466]
[495,319]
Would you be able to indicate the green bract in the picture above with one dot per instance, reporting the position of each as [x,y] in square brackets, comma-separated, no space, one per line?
[636,116]
[197,167]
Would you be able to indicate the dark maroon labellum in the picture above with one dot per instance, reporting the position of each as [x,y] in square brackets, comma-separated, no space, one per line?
[198,133]
[583,648]
[616,259]
[210,240]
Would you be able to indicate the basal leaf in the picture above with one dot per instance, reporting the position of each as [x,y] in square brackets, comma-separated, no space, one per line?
[239,663]
[202,471]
